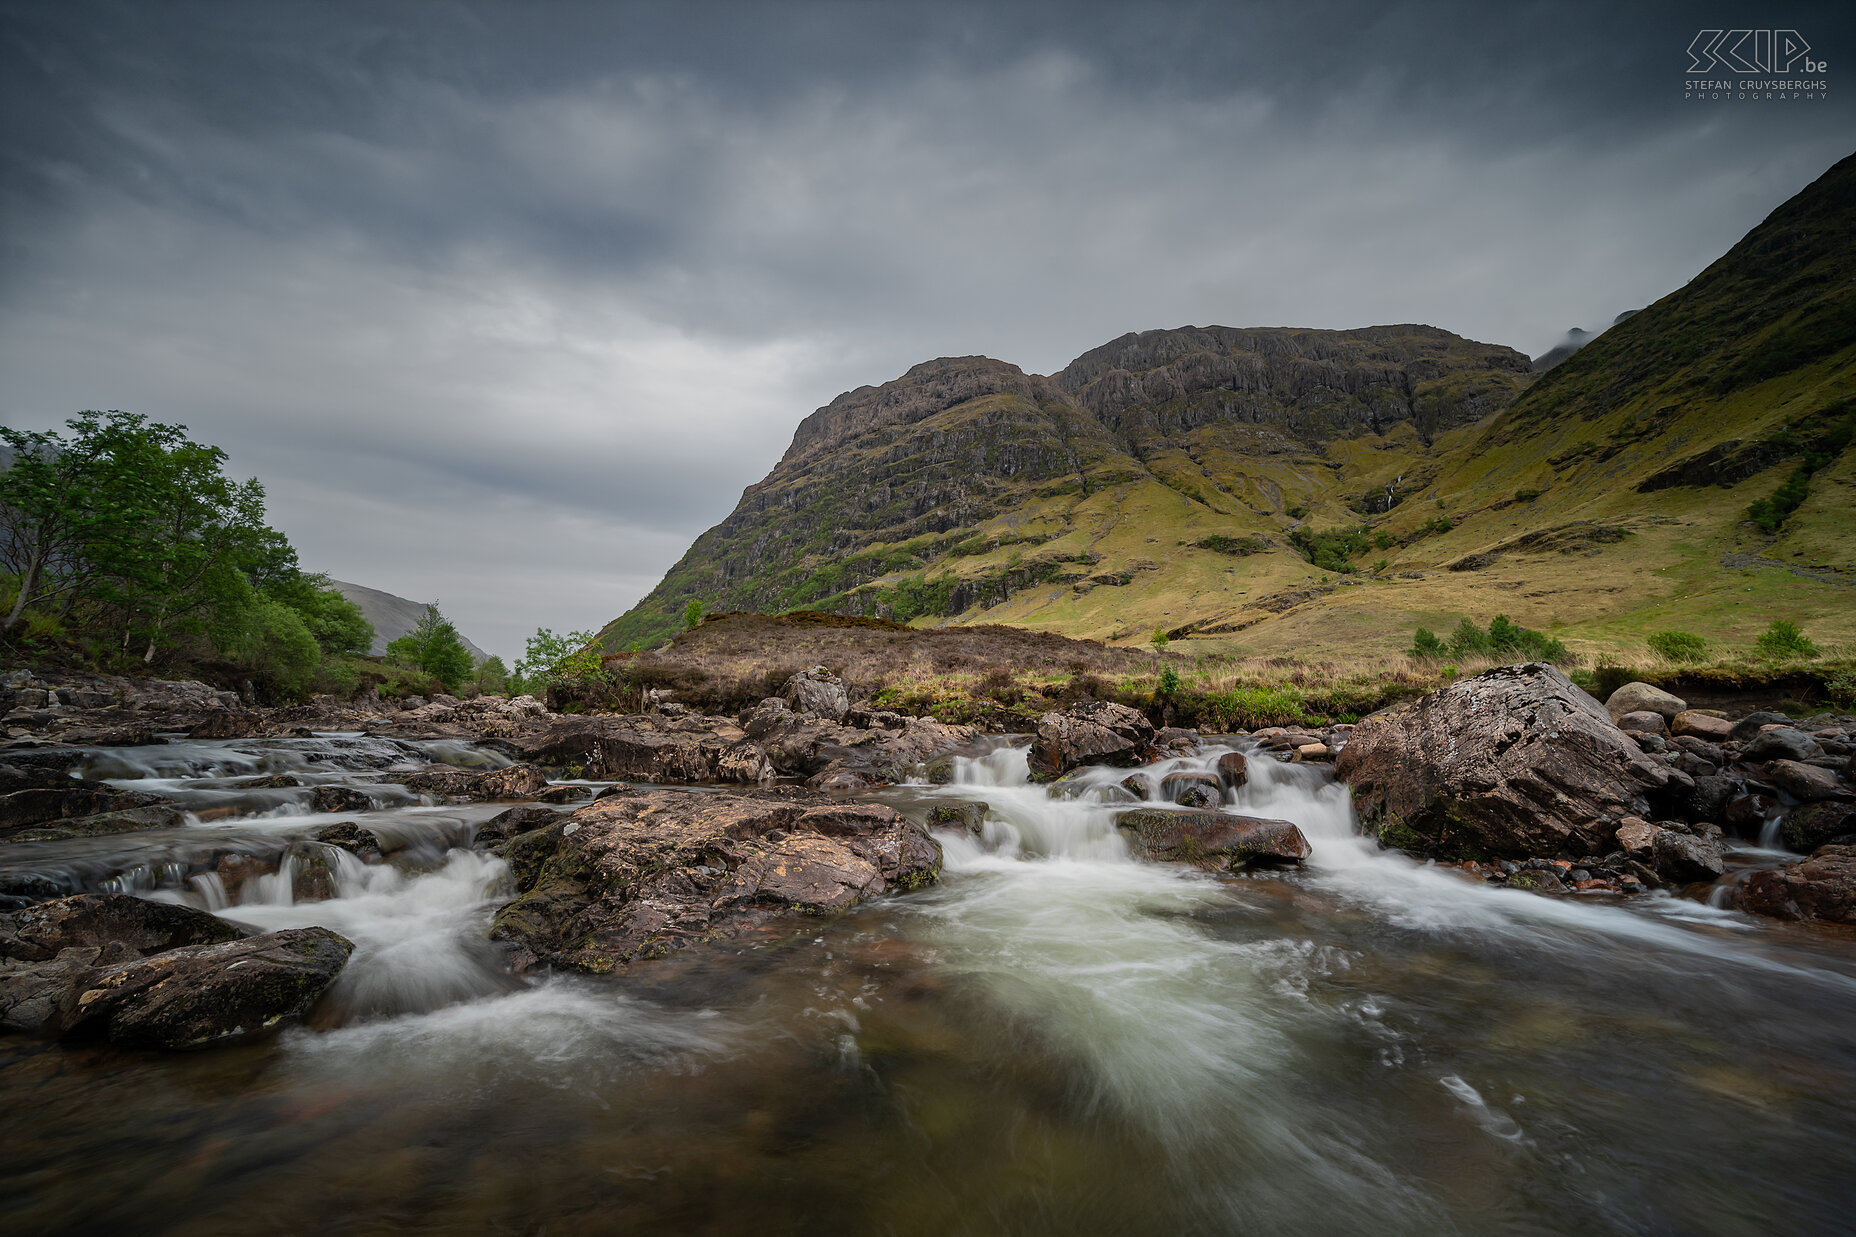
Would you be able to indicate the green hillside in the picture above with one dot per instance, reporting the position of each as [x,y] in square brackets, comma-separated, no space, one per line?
[1283,490]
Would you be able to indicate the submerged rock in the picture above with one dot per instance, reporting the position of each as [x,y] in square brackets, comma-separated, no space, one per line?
[641,874]
[1516,762]
[1090,732]
[1221,839]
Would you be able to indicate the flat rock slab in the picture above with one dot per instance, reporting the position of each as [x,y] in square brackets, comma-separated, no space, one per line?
[520,781]
[1516,763]
[642,873]
[1220,839]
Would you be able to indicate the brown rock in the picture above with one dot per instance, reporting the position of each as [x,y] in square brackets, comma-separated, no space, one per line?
[1820,887]
[1234,768]
[1218,839]
[1643,722]
[519,781]
[1701,726]
[1089,732]
[1637,836]
[1807,783]
[1509,762]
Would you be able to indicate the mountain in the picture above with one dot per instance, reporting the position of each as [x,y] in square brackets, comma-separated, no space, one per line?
[391,616]
[1279,489]
[1574,339]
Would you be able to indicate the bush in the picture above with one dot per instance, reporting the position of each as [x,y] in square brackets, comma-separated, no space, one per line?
[1842,689]
[1160,639]
[1678,646]
[1526,496]
[1425,646]
[1169,681]
[1503,638]
[1784,642]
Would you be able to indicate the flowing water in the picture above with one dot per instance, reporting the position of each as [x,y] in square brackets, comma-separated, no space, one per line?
[1054,1040]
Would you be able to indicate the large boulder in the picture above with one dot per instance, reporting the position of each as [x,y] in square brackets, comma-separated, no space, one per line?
[1096,732]
[1781,743]
[1701,726]
[1820,887]
[818,691]
[1643,698]
[644,873]
[1814,824]
[1806,783]
[1516,762]
[201,995]
[1219,839]
[22,809]
[453,785]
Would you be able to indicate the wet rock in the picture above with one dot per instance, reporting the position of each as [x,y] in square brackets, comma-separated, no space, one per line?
[1200,790]
[1219,839]
[96,920]
[818,691]
[1234,768]
[1683,857]
[642,874]
[1515,762]
[130,820]
[1644,722]
[1752,723]
[340,799]
[1813,825]
[1312,751]
[1538,880]
[1780,743]
[201,995]
[362,843]
[1641,697]
[23,809]
[1748,813]
[966,814]
[838,781]
[1701,725]
[520,781]
[516,821]
[1089,732]
[1820,887]
[227,724]
[1138,785]
[1807,783]
[570,793]
[1176,740]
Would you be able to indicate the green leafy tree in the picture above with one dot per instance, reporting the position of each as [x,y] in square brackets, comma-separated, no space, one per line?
[435,648]
[1160,639]
[550,657]
[1425,646]
[493,676]
[692,615]
[49,517]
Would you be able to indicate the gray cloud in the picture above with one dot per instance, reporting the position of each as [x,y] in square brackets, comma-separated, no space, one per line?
[507,303]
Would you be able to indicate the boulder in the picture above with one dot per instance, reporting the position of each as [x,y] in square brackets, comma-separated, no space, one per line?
[519,781]
[200,995]
[348,836]
[517,820]
[1813,825]
[23,809]
[1753,723]
[1701,725]
[1710,797]
[818,691]
[1216,839]
[1515,762]
[1820,887]
[1685,857]
[1643,721]
[770,716]
[965,814]
[1200,790]
[1641,698]
[339,799]
[1781,743]
[1234,768]
[1806,783]
[1089,732]
[642,874]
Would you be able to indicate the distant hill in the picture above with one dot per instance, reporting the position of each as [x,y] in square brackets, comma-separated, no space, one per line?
[391,616]
[1284,490]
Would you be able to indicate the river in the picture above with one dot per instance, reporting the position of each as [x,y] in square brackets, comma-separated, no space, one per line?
[1053,1040]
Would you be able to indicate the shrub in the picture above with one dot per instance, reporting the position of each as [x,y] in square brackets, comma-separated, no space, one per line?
[1784,642]
[692,615]
[1380,566]
[1169,681]
[1526,496]
[1425,646]
[1383,540]
[1842,689]
[1160,639]
[1678,646]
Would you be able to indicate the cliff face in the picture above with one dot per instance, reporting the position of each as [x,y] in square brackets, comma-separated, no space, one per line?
[1213,481]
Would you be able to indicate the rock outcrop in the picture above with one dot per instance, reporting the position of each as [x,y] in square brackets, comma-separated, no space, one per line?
[1091,732]
[1820,887]
[640,874]
[1517,762]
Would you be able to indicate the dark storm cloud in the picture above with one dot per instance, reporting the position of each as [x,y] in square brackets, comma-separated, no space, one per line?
[507,302]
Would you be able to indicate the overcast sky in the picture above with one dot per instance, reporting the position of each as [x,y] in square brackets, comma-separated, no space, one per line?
[506,303]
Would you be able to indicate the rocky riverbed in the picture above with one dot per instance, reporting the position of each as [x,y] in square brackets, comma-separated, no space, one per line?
[844,897]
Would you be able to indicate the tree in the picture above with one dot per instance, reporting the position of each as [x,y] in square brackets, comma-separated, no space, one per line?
[550,657]
[48,516]
[1160,639]
[692,615]
[492,676]
[435,648]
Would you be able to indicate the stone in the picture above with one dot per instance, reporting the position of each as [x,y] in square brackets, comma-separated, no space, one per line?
[643,874]
[1806,783]
[68,798]
[1637,836]
[340,799]
[1089,732]
[348,836]
[96,920]
[1643,721]
[1822,886]
[517,820]
[818,691]
[201,995]
[566,793]
[1200,790]
[1701,725]
[1752,723]
[963,814]
[1217,839]
[1516,762]
[743,763]
[1641,697]
[1234,768]
[518,781]
[1814,824]
[1138,785]
[1683,858]
[1781,743]
[768,717]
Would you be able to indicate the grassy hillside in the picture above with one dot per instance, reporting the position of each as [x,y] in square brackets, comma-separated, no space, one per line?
[1304,493]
